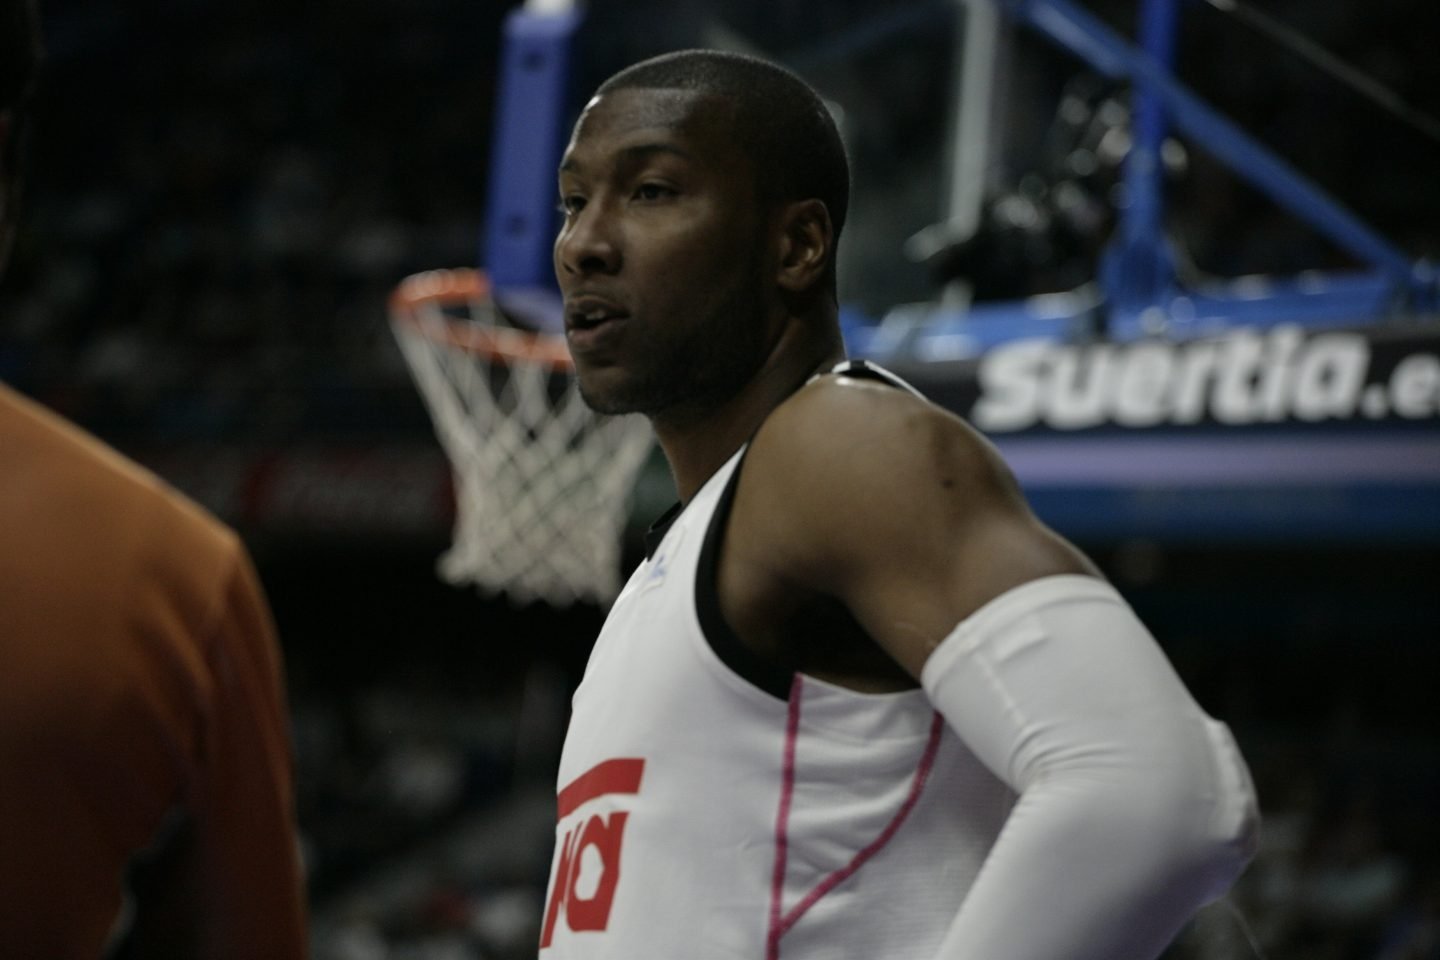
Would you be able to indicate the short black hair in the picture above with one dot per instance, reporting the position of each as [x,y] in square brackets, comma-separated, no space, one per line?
[798,150]
[20,51]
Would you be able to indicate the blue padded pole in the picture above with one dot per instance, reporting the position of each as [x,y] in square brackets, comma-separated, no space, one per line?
[529,135]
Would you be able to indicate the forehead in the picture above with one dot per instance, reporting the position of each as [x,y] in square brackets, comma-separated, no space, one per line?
[699,124]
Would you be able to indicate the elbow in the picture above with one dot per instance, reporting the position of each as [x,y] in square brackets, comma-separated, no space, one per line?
[1231,833]
[1205,815]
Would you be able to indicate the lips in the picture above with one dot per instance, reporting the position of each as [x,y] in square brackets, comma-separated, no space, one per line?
[590,320]
[588,311]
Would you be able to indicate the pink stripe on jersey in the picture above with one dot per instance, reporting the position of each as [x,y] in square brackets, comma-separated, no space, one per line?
[782,821]
[621,775]
[780,925]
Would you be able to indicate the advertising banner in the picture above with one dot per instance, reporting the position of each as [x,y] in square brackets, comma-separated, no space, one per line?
[1275,435]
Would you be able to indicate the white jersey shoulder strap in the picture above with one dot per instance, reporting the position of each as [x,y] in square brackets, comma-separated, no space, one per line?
[865,370]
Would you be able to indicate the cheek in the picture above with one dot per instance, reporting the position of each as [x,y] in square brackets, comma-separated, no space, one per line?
[666,266]
[703,257]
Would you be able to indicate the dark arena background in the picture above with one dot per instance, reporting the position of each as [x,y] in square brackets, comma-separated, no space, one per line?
[222,196]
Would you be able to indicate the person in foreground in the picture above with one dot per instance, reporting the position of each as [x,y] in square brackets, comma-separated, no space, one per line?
[146,802]
[857,702]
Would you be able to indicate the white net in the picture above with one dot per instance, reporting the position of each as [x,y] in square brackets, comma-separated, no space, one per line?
[542,482]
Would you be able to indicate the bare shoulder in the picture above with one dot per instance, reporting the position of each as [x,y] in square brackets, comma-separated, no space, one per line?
[850,471]
[842,436]
[891,505]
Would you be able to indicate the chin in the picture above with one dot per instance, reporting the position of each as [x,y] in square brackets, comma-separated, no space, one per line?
[607,406]
[607,399]
[627,398]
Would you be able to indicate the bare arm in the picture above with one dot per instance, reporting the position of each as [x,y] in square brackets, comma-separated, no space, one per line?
[1134,807]
[897,508]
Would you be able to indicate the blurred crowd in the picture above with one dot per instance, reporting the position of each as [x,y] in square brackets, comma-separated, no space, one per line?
[220,199]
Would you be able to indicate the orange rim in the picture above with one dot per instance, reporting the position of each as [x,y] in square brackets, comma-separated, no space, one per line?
[469,288]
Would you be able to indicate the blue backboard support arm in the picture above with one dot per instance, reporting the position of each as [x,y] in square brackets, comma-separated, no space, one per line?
[1076,30]
[1139,268]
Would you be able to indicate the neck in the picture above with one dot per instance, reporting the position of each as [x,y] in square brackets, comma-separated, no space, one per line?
[698,442]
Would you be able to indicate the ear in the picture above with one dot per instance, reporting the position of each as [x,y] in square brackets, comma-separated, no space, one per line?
[806,244]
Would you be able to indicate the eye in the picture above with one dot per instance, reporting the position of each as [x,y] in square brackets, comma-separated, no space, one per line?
[570,204]
[650,191]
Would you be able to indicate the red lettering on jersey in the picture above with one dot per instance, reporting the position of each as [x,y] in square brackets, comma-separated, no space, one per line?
[605,837]
[610,776]
[577,890]
[558,889]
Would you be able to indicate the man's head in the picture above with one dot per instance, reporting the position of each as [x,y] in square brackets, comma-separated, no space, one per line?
[785,126]
[703,193]
[19,62]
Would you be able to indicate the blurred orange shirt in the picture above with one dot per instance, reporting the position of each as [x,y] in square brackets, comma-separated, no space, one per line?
[146,782]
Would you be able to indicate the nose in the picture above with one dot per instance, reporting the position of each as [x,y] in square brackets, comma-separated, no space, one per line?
[586,245]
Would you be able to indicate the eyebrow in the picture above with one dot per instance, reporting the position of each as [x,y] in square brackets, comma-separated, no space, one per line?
[630,154]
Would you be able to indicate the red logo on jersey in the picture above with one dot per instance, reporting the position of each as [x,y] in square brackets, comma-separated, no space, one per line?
[588,869]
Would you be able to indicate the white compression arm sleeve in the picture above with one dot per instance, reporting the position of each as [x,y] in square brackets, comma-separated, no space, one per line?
[1134,807]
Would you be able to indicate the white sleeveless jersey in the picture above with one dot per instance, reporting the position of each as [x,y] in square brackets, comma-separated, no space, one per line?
[707,810]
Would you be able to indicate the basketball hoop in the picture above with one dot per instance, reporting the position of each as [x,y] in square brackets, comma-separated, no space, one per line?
[541,481]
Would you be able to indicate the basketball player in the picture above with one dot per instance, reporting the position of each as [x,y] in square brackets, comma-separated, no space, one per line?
[858,702]
[145,770]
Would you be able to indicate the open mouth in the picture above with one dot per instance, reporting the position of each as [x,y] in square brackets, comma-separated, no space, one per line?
[588,318]
[591,319]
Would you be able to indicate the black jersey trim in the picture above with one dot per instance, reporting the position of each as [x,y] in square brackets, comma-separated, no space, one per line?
[655,535]
[750,666]
[744,662]
[865,370]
